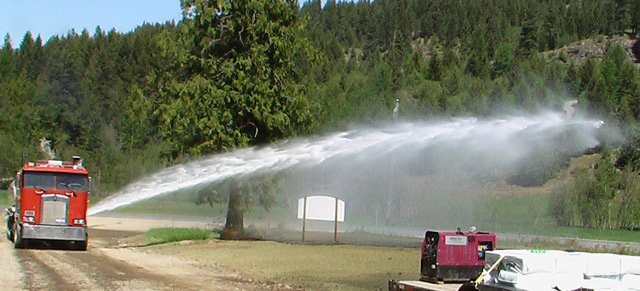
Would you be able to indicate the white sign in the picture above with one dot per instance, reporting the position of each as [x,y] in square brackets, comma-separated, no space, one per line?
[455,240]
[321,208]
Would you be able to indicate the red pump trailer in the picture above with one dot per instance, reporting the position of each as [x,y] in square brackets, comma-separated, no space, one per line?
[449,256]
[447,259]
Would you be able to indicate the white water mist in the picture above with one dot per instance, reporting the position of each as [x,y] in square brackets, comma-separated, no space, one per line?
[494,142]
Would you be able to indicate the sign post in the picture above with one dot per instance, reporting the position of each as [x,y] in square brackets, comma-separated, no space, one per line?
[335,230]
[304,218]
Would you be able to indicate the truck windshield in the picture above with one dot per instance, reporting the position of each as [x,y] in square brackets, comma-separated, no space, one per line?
[71,182]
[39,180]
[62,181]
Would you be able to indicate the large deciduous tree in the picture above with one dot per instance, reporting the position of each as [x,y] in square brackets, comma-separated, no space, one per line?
[234,81]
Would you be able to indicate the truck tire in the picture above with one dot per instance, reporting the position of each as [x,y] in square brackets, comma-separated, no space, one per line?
[81,245]
[18,242]
[10,228]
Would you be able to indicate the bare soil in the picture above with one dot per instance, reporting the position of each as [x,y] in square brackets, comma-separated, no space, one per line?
[107,266]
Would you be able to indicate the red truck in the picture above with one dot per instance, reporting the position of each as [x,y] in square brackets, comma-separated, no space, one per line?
[50,200]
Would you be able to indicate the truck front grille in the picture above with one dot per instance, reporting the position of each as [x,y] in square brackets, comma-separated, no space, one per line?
[54,209]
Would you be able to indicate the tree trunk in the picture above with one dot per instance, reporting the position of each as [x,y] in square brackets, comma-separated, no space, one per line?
[234,228]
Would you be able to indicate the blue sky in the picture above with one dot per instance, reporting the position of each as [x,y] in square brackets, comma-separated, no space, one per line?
[57,17]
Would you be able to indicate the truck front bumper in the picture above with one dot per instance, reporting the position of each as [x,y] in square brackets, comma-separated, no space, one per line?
[54,232]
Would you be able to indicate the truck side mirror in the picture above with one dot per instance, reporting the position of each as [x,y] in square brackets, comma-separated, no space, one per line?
[10,211]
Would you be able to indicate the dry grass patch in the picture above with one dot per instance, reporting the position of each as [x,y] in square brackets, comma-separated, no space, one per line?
[309,267]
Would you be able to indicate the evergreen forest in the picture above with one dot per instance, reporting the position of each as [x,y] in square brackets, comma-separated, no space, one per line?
[239,73]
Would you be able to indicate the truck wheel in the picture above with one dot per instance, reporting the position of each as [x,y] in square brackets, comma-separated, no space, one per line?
[81,245]
[10,228]
[10,235]
[18,242]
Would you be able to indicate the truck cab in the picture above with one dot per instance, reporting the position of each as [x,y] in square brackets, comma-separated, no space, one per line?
[50,203]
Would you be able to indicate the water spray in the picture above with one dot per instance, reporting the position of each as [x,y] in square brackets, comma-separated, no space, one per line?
[497,141]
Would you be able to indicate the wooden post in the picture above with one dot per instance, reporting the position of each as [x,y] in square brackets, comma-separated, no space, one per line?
[304,217]
[335,233]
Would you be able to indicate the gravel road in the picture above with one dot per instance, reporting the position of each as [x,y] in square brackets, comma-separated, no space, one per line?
[106,266]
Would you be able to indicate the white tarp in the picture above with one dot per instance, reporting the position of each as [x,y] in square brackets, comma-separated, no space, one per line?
[560,270]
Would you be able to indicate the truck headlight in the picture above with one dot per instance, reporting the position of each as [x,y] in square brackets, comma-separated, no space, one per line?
[29,219]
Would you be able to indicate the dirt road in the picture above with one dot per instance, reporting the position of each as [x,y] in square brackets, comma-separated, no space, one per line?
[105,266]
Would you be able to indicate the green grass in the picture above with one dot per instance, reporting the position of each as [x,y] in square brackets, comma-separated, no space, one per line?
[4,200]
[166,235]
[584,233]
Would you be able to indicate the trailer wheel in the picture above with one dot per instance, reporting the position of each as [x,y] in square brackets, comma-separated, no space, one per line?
[18,242]
[467,287]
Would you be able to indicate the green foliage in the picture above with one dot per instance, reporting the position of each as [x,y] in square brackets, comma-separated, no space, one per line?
[561,206]
[504,60]
[255,190]
[628,215]
[601,196]
[71,91]
[595,190]
[234,84]
[498,39]
[248,72]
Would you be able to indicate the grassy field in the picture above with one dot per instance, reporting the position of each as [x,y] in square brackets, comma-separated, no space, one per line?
[514,214]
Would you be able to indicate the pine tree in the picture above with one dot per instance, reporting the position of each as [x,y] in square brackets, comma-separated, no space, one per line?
[234,86]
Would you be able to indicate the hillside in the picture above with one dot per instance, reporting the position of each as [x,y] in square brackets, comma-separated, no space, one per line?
[259,72]
[579,52]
